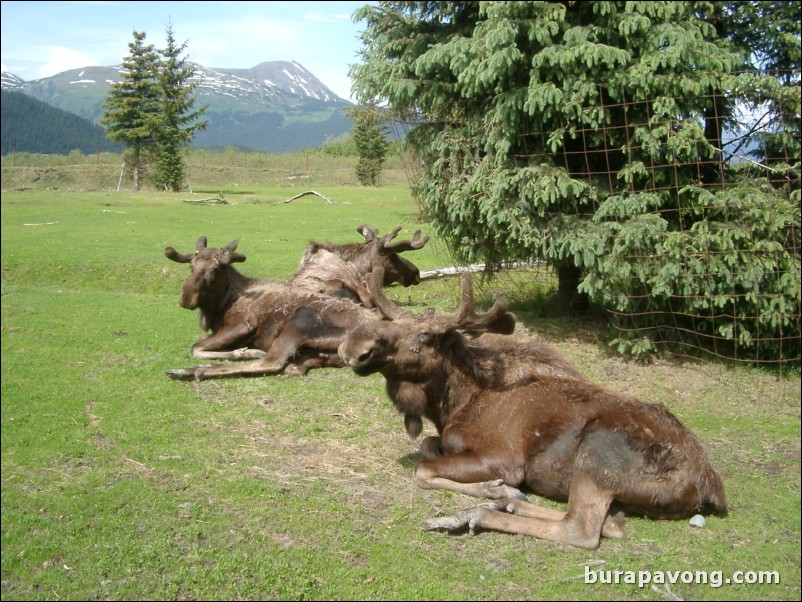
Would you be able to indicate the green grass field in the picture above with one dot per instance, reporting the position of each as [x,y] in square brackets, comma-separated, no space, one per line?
[119,483]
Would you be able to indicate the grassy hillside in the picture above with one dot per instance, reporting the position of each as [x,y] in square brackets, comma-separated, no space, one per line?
[228,171]
[119,483]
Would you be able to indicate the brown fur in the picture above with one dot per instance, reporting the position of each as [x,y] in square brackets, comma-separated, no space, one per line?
[289,329]
[340,270]
[292,326]
[511,413]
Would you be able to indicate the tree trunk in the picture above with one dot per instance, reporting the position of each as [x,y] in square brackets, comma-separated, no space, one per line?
[136,159]
[712,167]
[569,298]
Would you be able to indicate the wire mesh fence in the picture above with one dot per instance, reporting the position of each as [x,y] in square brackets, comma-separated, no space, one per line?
[700,210]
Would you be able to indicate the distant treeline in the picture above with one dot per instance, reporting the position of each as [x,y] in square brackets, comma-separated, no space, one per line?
[30,125]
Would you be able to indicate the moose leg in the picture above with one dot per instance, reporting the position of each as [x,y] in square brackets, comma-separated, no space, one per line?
[268,365]
[591,492]
[271,363]
[307,359]
[243,353]
[218,345]
[612,528]
[305,341]
[254,368]
[471,474]
[292,340]
[581,526]
[431,447]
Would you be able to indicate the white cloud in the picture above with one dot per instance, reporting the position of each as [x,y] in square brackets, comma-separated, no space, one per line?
[240,44]
[64,59]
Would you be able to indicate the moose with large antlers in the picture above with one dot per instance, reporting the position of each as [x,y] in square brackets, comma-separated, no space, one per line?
[285,327]
[339,270]
[529,422]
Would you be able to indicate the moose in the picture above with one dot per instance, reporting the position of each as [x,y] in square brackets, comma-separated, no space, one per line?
[285,327]
[340,270]
[545,429]
[505,361]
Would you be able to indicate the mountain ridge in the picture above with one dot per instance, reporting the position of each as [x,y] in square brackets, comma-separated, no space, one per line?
[275,106]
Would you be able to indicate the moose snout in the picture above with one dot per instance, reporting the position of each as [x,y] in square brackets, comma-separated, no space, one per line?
[413,279]
[189,299]
[344,354]
[354,357]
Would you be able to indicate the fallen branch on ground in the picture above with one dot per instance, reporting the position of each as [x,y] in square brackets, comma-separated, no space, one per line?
[322,196]
[477,267]
[209,201]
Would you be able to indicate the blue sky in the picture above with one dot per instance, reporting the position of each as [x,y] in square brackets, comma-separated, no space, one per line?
[40,39]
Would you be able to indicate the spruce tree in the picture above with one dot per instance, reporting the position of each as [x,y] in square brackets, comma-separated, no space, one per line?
[589,135]
[178,120]
[132,105]
[370,140]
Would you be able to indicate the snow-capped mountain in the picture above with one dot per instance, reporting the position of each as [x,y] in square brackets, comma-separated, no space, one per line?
[266,80]
[275,106]
[11,81]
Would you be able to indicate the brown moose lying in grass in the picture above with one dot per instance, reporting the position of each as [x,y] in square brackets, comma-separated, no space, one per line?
[514,414]
[285,327]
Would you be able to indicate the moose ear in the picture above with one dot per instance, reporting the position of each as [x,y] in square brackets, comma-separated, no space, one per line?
[173,255]
[235,257]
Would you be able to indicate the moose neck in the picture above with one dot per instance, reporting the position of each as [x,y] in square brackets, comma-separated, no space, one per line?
[450,383]
[233,284]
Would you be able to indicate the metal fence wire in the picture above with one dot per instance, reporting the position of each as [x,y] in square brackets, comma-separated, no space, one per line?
[735,296]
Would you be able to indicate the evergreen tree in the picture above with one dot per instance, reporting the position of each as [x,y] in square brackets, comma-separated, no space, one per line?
[589,134]
[370,140]
[769,34]
[132,105]
[177,119]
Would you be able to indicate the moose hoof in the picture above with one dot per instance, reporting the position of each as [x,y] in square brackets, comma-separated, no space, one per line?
[466,518]
[293,370]
[245,353]
[496,490]
[186,373]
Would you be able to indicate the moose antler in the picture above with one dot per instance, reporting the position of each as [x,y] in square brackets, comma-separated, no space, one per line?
[375,284]
[497,319]
[367,232]
[403,245]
